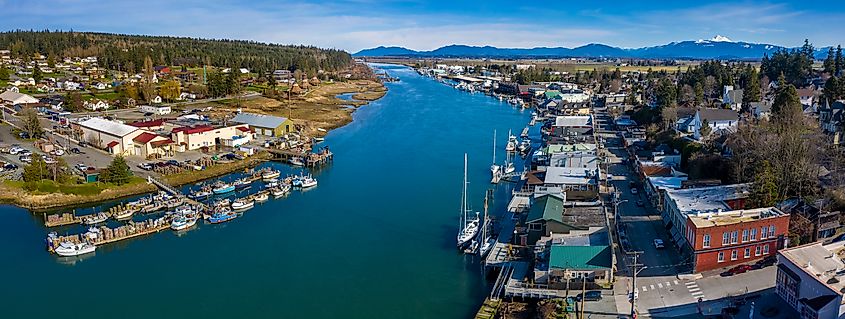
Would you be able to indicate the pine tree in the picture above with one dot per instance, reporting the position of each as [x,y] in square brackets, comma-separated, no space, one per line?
[830,62]
[36,170]
[786,107]
[705,129]
[764,191]
[4,73]
[832,89]
[31,124]
[117,173]
[752,88]
[839,60]
[37,75]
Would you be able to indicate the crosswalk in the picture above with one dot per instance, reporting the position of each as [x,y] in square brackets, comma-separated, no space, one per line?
[694,290]
[659,285]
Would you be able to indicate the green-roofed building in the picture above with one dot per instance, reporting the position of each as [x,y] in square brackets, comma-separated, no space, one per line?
[570,148]
[576,262]
[545,217]
[552,94]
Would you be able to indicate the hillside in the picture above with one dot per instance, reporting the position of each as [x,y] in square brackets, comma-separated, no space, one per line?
[127,52]
[718,47]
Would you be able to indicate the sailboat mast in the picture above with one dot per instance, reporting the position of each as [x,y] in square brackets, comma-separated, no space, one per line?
[462,216]
[494,147]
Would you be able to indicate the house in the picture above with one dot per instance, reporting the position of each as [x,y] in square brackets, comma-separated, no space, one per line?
[575,258]
[100,85]
[831,120]
[825,223]
[155,109]
[717,119]
[69,85]
[151,145]
[95,105]
[187,96]
[267,125]
[726,238]
[281,75]
[208,136]
[686,116]
[16,98]
[545,217]
[572,129]
[732,97]
[154,125]
[578,182]
[761,110]
[811,281]
[156,100]
[807,96]
[680,203]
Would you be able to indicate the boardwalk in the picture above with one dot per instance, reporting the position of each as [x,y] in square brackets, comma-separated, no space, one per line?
[499,253]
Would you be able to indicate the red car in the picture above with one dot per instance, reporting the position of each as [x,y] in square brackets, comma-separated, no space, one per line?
[738,270]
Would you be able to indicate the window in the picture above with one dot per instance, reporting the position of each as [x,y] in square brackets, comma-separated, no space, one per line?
[733,254]
[721,256]
[706,240]
[733,236]
[765,249]
[724,238]
[772,231]
[744,235]
[757,251]
[763,232]
[753,234]
[747,252]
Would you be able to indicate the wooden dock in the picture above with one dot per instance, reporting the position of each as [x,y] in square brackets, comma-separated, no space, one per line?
[310,159]
[106,235]
[63,219]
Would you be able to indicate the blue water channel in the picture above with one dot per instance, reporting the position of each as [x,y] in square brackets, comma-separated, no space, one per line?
[375,238]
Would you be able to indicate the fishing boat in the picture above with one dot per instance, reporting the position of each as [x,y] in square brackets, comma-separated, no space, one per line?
[242,204]
[222,215]
[495,169]
[512,143]
[124,214]
[202,194]
[280,191]
[273,183]
[487,241]
[242,184]
[261,197]
[467,227]
[182,223]
[222,203]
[270,175]
[509,167]
[525,145]
[524,132]
[223,188]
[68,249]
[296,161]
[95,218]
[307,181]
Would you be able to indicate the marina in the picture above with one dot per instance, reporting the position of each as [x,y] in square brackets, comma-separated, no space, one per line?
[351,205]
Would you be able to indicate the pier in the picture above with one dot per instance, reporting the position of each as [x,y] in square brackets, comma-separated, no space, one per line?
[309,159]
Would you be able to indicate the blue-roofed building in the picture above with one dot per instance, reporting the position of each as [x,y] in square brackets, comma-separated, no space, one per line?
[267,125]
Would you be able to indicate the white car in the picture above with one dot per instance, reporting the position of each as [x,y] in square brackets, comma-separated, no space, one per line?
[15,150]
[58,152]
[634,191]
[49,160]
[658,244]
[82,167]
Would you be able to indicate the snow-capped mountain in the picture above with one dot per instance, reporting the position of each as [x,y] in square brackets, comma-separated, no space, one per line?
[718,47]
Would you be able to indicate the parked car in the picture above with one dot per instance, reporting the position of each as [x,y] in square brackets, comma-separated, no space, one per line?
[83,144]
[145,166]
[592,295]
[765,262]
[737,270]
[15,150]
[82,167]
[634,191]
[49,160]
[25,153]
[25,158]
[75,151]
[658,244]
[10,167]
[58,152]
[23,135]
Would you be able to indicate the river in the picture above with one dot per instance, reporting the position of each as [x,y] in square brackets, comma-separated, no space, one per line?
[375,239]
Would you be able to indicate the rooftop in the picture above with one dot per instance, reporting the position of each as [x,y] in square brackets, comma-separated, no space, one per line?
[570,175]
[546,208]
[670,182]
[580,257]
[584,216]
[568,148]
[734,217]
[259,120]
[572,121]
[824,262]
[712,115]
[707,199]
[109,127]
[575,160]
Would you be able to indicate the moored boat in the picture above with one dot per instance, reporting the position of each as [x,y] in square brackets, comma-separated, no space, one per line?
[270,175]
[261,197]
[280,191]
[222,215]
[308,181]
[223,188]
[95,218]
[182,223]
[68,249]
[296,161]
[124,214]
[242,204]
[512,143]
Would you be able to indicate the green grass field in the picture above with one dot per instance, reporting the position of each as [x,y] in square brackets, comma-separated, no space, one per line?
[48,187]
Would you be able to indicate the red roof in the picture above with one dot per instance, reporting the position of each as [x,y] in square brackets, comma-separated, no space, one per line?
[193,129]
[152,123]
[162,142]
[244,129]
[112,144]
[144,138]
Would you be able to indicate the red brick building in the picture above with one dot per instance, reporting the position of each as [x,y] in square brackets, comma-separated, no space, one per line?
[724,239]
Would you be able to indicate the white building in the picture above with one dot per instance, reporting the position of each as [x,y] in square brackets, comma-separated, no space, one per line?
[155,109]
[121,139]
[717,119]
[95,105]
[811,279]
[15,98]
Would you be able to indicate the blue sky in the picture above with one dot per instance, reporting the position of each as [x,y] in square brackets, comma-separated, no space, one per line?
[356,24]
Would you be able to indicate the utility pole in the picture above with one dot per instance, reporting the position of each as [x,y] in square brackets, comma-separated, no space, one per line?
[634,272]
[583,294]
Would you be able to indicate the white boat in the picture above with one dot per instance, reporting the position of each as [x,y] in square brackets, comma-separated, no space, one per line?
[467,227]
[68,249]
[95,218]
[512,143]
[271,184]
[296,161]
[261,197]
[495,169]
[182,223]
[509,168]
[487,241]
[124,214]
[304,181]
[280,191]
[525,145]
[242,204]
[270,175]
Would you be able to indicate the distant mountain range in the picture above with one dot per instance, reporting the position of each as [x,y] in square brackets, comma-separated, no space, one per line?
[718,47]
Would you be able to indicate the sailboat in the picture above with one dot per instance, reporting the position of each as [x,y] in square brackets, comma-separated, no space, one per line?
[511,146]
[495,169]
[468,227]
[487,240]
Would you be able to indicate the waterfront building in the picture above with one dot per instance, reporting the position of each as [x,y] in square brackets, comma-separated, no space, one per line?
[811,280]
[121,139]
[727,238]
[267,125]
[207,136]
[580,255]
[680,203]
